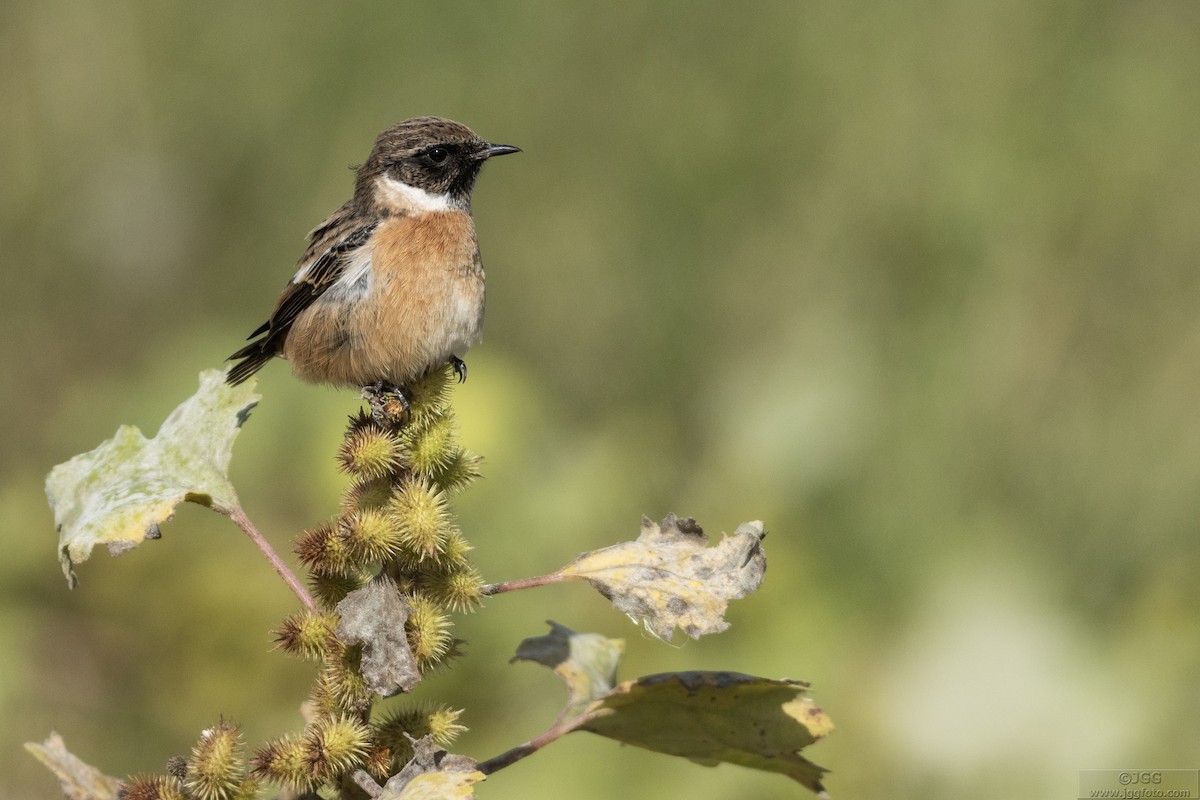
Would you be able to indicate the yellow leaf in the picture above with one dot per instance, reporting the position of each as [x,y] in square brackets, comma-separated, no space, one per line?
[433,774]
[671,578]
[437,786]
[587,662]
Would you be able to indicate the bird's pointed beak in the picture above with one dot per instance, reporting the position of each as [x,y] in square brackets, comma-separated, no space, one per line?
[497,150]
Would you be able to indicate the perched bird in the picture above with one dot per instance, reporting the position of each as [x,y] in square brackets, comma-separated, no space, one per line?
[391,284]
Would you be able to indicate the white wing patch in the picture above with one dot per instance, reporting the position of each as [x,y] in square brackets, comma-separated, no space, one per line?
[357,266]
[300,273]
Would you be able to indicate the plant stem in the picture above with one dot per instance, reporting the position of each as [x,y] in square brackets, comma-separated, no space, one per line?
[510,757]
[242,521]
[523,583]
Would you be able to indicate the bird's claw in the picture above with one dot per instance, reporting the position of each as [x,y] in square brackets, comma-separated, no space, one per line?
[460,368]
[388,404]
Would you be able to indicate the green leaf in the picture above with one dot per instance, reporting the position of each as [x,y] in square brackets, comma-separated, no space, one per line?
[587,662]
[707,717]
[119,493]
[715,717]
[670,578]
[79,781]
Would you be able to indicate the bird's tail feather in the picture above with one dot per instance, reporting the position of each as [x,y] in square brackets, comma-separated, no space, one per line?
[251,359]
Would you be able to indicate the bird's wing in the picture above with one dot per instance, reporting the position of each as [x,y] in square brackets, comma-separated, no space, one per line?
[315,277]
[343,261]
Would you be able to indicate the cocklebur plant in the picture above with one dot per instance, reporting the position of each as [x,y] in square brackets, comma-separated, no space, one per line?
[385,577]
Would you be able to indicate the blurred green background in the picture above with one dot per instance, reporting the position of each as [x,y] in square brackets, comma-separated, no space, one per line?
[915,284]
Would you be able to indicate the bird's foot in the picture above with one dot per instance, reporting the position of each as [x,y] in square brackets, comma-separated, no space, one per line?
[389,406]
[460,368]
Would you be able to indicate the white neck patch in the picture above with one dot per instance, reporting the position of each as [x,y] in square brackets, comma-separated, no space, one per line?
[400,195]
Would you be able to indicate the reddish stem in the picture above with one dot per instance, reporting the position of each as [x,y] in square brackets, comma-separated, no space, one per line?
[523,583]
[510,757]
[242,521]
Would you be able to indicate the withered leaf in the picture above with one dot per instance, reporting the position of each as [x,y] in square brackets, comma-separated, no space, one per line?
[79,781]
[587,662]
[669,577]
[432,774]
[374,616]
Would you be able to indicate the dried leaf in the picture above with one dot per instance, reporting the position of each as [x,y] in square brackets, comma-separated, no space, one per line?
[670,578]
[432,774]
[715,717]
[79,781]
[586,661]
[119,493]
[375,615]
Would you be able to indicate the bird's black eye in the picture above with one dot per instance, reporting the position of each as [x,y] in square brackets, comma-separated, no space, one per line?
[437,155]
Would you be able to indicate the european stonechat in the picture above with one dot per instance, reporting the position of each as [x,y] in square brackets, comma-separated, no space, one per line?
[391,284]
